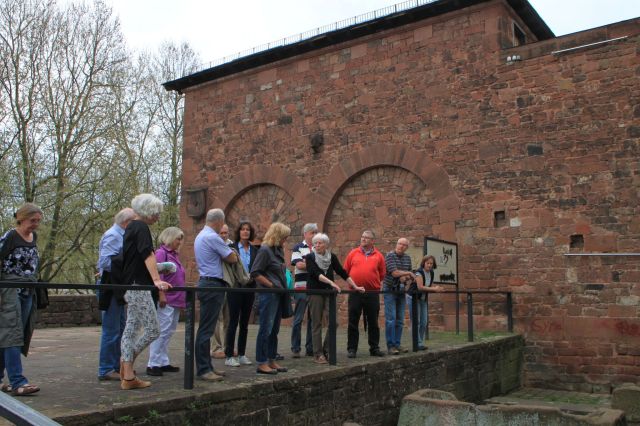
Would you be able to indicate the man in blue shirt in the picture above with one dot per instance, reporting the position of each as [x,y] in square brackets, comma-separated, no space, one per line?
[113,310]
[210,251]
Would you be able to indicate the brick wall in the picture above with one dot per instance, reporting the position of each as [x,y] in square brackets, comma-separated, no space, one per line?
[425,130]
[70,311]
[367,394]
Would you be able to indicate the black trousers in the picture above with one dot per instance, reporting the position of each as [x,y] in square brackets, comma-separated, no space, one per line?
[240,305]
[369,304]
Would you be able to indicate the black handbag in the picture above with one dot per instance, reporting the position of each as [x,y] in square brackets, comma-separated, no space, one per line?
[287,310]
[42,297]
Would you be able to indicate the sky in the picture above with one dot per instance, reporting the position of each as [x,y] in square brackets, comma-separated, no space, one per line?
[215,29]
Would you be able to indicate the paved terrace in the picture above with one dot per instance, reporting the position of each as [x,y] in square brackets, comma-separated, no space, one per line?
[63,363]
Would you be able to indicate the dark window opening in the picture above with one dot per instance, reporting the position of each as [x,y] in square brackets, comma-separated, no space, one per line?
[519,37]
[499,219]
[576,242]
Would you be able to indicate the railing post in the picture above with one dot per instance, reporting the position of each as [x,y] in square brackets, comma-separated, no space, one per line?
[470,316]
[333,325]
[414,321]
[457,310]
[509,313]
[426,302]
[189,337]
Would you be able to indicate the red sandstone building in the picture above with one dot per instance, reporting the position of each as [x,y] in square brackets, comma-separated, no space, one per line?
[467,121]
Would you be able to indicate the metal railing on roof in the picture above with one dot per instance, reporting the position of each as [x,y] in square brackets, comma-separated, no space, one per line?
[307,35]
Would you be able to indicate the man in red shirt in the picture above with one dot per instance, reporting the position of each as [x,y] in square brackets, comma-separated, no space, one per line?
[366,266]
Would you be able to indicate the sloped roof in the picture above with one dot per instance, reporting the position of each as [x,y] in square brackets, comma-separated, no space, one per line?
[393,20]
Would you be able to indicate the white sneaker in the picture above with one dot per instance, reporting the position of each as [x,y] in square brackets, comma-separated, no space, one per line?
[244,360]
[232,362]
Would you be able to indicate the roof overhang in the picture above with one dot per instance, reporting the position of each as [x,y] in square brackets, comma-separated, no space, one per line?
[521,7]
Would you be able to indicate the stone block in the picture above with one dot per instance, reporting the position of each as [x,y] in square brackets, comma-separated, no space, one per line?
[627,398]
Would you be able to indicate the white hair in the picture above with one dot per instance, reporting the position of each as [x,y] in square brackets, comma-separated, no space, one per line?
[146,205]
[319,237]
[310,227]
[123,216]
[215,215]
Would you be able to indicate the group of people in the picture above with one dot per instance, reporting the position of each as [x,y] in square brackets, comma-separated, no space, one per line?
[134,319]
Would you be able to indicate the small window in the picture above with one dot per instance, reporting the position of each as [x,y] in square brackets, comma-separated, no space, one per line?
[519,37]
[576,241]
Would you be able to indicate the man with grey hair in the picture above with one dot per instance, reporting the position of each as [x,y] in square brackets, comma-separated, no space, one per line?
[220,331]
[210,251]
[112,307]
[300,250]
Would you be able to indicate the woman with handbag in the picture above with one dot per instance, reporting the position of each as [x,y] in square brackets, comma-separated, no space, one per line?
[20,260]
[268,271]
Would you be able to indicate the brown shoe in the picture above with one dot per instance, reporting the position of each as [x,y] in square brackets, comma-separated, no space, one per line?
[210,377]
[402,349]
[134,383]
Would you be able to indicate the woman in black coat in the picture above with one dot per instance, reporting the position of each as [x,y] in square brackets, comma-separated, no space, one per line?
[321,265]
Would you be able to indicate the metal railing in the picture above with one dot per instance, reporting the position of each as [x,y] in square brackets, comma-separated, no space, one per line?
[317,32]
[190,311]
[21,414]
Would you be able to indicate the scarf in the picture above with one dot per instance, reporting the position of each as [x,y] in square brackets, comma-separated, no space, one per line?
[323,260]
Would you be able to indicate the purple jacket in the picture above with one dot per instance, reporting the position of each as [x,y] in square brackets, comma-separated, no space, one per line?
[175,299]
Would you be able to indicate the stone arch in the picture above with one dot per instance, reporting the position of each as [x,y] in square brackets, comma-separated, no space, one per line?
[432,175]
[255,177]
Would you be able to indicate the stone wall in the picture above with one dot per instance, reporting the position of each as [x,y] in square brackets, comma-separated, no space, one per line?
[368,394]
[427,130]
[70,311]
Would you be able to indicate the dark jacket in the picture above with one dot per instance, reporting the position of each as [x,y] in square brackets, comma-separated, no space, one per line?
[314,272]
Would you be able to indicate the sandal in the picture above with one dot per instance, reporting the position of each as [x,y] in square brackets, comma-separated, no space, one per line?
[25,390]
[6,388]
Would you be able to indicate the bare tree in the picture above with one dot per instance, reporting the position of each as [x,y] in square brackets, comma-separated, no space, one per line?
[170,61]
[86,49]
[24,28]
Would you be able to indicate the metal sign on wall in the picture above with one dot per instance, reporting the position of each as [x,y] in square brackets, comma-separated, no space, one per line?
[446,254]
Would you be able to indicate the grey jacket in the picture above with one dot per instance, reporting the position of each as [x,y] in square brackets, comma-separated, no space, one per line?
[12,331]
[234,274]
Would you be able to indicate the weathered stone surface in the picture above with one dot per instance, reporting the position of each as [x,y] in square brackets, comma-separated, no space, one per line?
[368,394]
[627,399]
[428,131]
[67,311]
[439,408]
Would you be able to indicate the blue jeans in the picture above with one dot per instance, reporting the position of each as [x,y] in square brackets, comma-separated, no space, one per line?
[300,309]
[10,357]
[210,306]
[270,316]
[113,322]
[393,318]
[423,317]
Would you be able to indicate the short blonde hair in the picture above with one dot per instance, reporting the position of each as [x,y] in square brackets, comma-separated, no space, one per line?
[170,234]
[26,211]
[277,232]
